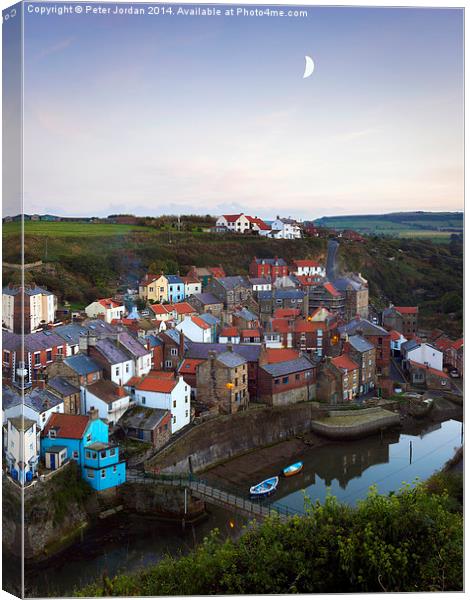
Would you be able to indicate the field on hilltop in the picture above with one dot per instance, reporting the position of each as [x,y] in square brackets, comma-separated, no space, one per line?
[436,226]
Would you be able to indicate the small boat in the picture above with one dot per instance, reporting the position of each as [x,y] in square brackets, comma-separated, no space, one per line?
[266,487]
[293,469]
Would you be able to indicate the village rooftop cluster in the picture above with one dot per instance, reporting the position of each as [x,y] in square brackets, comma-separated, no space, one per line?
[202,344]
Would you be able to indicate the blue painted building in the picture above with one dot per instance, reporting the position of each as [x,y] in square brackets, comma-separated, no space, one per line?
[86,440]
[175,288]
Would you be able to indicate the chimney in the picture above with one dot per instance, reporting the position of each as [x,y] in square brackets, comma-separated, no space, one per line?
[121,392]
[229,348]
[93,414]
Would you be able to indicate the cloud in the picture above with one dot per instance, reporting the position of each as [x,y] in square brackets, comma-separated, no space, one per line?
[57,47]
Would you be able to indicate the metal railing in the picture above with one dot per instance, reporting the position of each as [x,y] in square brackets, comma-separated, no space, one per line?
[257,506]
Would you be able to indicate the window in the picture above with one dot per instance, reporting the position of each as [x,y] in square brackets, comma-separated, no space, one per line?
[90,474]
[94,455]
[117,371]
[143,400]
[52,433]
[168,364]
[297,376]
[186,399]
[88,437]
[174,403]
[127,367]
[186,414]
[6,356]
[103,473]
[75,454]
[37,358]
[112,452]
[88,454]
[277,381]
[60,351]
[285,380]
[114,468]
[103,454]
[49,355]
[174,419]
[174,352]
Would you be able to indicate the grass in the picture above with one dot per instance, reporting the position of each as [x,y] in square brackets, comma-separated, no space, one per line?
[43,228]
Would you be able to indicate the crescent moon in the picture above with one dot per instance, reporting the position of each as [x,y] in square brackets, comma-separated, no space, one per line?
[309,67]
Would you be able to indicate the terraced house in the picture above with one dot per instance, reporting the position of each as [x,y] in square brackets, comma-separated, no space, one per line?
[154,288]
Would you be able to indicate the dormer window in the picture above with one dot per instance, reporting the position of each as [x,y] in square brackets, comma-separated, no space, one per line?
[52,433]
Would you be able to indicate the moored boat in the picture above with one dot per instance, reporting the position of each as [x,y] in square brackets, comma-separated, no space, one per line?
[293,469]
[266,487]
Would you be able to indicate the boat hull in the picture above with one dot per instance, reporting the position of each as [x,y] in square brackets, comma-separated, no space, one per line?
[264,488]
[293,469]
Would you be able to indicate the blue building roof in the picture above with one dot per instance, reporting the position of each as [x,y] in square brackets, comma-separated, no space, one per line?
[174,280]
[82,364]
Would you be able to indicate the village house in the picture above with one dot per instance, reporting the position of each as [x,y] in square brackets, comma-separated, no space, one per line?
[38,405]
[180,311]
[308,268]
[27,308]
[310,336]
[155,345]
[86,440]
[355,291]
[21,449]
[107,308]
[423,353]
[109,399]
[140,355]
[287,382]
[188,370]
[229,335]
[268,268]
[166,391]
[78,370]
[279,331]
[25,359]
[362,353]
[283,229]
[223,383]
[151,425]
[429,378]
[207,303]
[154,288]
[396,341]
[401,318]
[202,274]
[378,336]
[196,329]
[67,392]
[192,285]
[238,223]
[260,284]
[72,332]
[245,319]
[231,291]
[283,298]
[162,312]
[338,380]
[326,295]
[117,364]
[217,272]
[214,324]
[250,336]
[174,347]
[175,288]
[454,356]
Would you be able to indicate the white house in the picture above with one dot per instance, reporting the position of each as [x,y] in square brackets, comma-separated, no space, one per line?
[40,307]
[396,340]
[164,390]
[260,284]
[107,307]
[229,335]
[117,363]
[110,400]
[308,267]
[425,354]
[195,329]
[38,405]
[285,229]
[191,286]
[141,356]
[21,448]
[234,223]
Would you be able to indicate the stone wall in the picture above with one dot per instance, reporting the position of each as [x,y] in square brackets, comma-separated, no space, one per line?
[228,436]
[159,500]
[375,419]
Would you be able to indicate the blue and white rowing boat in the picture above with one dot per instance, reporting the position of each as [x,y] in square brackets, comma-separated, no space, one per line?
[293,469]
[266,487]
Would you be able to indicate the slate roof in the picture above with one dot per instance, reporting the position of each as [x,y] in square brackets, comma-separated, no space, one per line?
[231,359]
[41,400]
[409,345]
[22,424]
[29,291]
[281,294]
[174,335]
[259,280]
[141,417]
[82,364]
[230,283]
[10,397]
[106,390]
[71,333]
[133,346]
[62,386]
[111,352]
[207,298]
[279,369]
[277,262]
[245,314]
[363,325]
[360,344]
[174,280]
[201,350]
[209,319]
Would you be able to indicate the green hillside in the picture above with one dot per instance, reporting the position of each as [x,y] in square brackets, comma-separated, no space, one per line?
[80,268]
[437,226]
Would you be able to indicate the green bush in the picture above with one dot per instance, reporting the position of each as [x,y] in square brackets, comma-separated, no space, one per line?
[409,541]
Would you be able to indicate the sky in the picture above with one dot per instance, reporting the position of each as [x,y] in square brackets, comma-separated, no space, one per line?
[171,114]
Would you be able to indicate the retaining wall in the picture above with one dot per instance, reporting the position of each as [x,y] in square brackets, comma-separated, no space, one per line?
[334,431]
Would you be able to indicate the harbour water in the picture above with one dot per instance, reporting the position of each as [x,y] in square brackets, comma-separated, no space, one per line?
[346,470]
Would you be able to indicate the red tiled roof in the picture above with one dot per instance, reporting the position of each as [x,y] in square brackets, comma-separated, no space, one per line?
[133,381]
[163,382]
[308,279]
[261,224]
[406,310]
[109,303]
[280,325]
[200,323]
[458,344]
[276,355]
[395,335]
[344,362]
[443,343]
[330,288]
[302,325]
[148,278]
[189,366]
[189,279]
[67,426]
[159,309]
[181,308]
[248,333]
[229,332]
[281,313]
[232,218]
[305,263]
[217,271]
[429,369]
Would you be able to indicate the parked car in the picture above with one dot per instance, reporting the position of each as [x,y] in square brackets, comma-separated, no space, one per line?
[454,373]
